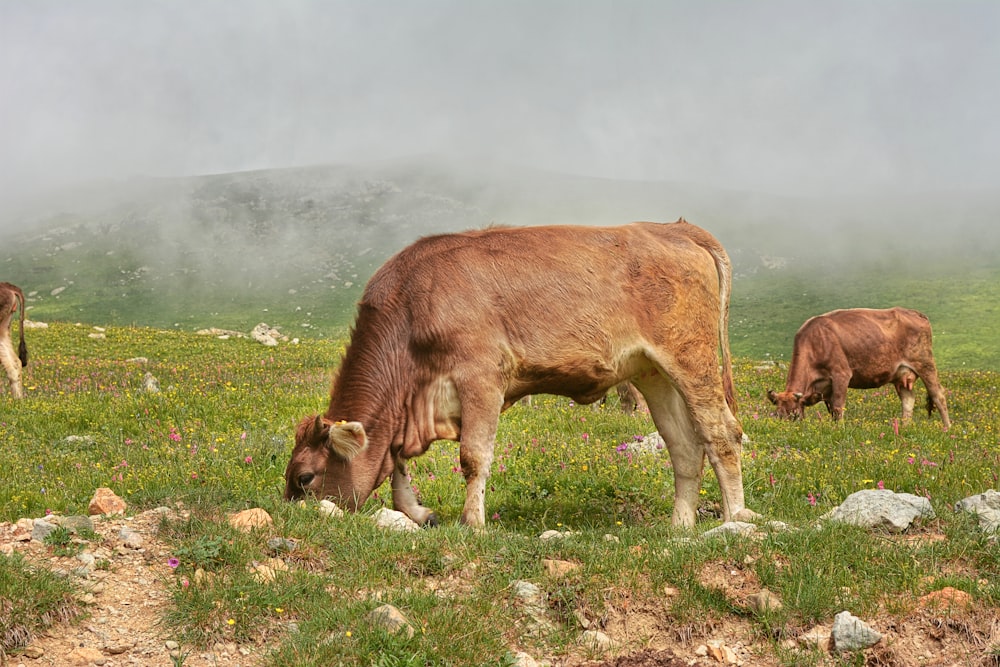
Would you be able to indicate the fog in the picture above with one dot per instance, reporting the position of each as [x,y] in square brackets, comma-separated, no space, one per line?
[789,98]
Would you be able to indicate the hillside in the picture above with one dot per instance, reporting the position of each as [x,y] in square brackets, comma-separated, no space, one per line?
[294,247]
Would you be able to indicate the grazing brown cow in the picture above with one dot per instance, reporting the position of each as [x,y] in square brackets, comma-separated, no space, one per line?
[456,328]
[860,348]
[11,300]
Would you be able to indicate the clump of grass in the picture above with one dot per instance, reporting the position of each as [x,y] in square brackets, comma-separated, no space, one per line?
[32,599]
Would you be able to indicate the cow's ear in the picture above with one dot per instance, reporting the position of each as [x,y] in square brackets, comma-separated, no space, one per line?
[771,396]
[347,439]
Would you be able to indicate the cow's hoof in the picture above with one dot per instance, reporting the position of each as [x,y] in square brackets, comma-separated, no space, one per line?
[431,521]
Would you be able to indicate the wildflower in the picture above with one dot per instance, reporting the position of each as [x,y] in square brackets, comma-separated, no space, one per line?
[348,633]
[812,499]
[248,460]
[231,621]
[185,583]
[173,562]
[279,610]
[770,478]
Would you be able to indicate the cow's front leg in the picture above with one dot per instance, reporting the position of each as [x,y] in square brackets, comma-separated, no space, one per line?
[836,400]
[479,431]
[403,498]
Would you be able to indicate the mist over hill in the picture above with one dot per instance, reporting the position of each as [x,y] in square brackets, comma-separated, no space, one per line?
[294,247]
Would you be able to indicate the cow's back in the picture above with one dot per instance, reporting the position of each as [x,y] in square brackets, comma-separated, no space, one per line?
[559,302]
[869,332]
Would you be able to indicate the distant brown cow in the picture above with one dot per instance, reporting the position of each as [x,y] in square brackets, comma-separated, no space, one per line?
[860,348]
[12,300]
[456,328]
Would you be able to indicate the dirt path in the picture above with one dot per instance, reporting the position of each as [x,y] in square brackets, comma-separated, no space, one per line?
[125,601]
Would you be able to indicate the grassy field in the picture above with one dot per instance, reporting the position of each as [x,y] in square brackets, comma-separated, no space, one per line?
[217,436]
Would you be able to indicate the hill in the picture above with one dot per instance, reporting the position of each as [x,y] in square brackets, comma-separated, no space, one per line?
[294,247]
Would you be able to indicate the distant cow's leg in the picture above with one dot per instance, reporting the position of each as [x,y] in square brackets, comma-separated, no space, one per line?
[837,401]
[906,397]
[935,392]
[9,359]
[403,499]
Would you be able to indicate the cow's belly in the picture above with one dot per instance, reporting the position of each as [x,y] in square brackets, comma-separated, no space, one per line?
[584,381]
[870,380]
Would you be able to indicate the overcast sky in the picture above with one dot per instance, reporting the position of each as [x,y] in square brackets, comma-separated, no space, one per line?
[781,97]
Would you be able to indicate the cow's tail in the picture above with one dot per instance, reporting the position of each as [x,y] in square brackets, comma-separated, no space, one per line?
[725,270]
[22,349]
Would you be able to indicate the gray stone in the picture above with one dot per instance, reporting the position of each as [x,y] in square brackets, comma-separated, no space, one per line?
[130,538]
[330,509]
[391,620]
[41,529]
[882,508]
[77,524]
[282,545]
[730,528]
[393,520]
[850,633]
[986,507]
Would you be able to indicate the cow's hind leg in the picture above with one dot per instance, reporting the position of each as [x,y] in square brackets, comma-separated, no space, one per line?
[935,392]
[694,427]
[686,449]
[9,359]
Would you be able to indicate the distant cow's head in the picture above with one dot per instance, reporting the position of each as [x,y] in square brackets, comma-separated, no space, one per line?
[792,404]
[320,464]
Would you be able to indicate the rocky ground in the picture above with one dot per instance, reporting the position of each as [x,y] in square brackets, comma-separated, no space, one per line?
[126,598]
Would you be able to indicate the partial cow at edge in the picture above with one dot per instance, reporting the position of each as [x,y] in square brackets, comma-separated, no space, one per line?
[456,328]
[860,348]
[12,300]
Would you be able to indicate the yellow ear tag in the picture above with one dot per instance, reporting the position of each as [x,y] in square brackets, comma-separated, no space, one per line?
[340,423]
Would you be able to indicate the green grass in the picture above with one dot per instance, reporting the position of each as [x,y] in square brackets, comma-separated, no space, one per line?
[961,300]
[217,436]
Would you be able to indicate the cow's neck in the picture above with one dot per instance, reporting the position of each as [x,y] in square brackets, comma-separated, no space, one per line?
[369,388]
[799,376]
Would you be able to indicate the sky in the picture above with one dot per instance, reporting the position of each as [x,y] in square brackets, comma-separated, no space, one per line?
[782,97]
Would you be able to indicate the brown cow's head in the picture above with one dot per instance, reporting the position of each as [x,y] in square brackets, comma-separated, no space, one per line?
[321,461]
[792,404]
